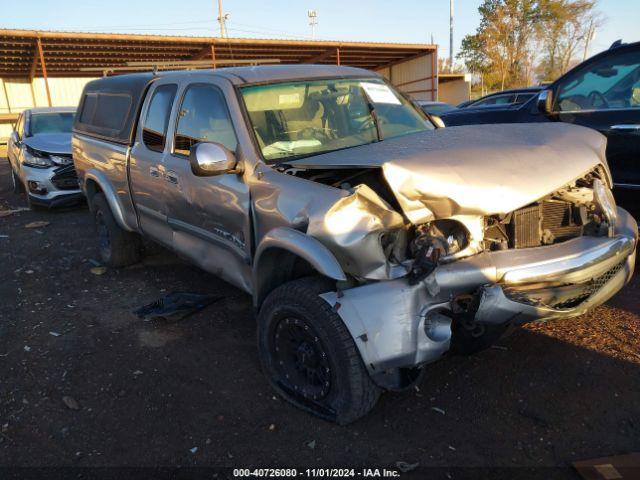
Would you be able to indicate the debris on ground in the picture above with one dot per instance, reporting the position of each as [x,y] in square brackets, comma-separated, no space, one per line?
[193,450]
[175,306]
[71,402]
[38,224]
[137,372]
[439,410]
[311,444]
[98,270]
[6,213]
[619,467]
[27,348]
[272,427]
[405,467]
[55,334]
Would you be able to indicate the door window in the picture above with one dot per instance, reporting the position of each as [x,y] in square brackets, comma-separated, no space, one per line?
[203,117]
[496,100]
[154,131]
[612,82]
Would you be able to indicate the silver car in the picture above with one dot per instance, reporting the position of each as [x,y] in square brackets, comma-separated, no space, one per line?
[372,242]
[39,151]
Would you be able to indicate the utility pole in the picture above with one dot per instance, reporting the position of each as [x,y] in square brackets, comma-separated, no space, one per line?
[222,19]
[313,21]
[450,35]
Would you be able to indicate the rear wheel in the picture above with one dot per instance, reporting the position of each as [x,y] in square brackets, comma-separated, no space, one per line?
[308,354]
[118,248]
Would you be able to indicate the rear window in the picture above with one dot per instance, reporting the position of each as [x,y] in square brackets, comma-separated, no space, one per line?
[105,114]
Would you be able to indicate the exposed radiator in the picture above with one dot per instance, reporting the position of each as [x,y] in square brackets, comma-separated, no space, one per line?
[543,223]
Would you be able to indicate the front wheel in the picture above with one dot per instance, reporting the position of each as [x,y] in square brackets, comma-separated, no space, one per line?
[308,354]
[16,183]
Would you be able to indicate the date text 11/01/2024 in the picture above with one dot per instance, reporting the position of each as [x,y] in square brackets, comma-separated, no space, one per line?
[316,473]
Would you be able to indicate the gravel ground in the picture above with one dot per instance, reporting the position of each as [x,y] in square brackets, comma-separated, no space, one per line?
[190,393]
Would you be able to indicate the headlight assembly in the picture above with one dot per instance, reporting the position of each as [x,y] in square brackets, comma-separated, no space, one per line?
[434,242]
[33,158]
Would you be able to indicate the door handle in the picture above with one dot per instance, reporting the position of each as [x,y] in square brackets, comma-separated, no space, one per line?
[171,177]
[626,126]
[154,172]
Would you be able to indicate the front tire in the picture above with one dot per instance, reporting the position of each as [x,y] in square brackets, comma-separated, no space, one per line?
[118,248]
[308,354]
[16,183]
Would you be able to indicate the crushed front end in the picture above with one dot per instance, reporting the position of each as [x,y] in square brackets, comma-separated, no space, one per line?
[467,278]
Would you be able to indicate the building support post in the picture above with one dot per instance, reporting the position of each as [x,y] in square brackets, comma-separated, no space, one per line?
[44,70]
[32,73]
[213,54]
[338,56]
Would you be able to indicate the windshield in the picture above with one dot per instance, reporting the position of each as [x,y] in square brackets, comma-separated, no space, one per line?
[60,122]
[312,117]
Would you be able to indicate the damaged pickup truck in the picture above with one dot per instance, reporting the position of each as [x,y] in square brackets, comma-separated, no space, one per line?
[372,242]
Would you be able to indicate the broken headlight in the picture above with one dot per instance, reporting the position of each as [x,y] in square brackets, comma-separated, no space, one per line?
[604,199]
[35,158]
[434,242]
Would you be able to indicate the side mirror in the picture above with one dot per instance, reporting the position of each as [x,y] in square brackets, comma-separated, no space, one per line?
[14,137]
[545,101]
[210,158]
[437,121]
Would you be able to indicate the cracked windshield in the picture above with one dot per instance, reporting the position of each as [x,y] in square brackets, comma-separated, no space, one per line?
[307,118]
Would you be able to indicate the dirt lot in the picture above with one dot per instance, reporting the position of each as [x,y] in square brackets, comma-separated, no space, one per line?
[148,393]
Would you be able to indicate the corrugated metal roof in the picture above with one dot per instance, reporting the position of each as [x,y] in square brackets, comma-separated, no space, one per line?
[66,53]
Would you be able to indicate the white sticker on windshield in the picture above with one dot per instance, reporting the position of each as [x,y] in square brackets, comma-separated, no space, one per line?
[380,93]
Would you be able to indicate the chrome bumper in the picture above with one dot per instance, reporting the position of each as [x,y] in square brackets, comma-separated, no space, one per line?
[393,325]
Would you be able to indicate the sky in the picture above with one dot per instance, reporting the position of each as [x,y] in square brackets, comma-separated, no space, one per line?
[413,21]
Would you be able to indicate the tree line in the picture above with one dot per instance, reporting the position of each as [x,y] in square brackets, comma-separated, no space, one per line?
[524,42]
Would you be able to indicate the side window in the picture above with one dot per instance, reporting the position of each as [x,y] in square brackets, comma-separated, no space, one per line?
[497,100]
[154,130]
[613,82]
[88,107]
[203,117]
[522,98]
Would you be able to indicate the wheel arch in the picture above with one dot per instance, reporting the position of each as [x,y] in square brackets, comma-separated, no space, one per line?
[285,254]
[96,182]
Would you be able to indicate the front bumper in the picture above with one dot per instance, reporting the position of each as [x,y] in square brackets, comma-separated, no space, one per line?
[51,187]
[396,325]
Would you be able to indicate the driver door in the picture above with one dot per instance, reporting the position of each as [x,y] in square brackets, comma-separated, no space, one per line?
[208,215]
[604,94]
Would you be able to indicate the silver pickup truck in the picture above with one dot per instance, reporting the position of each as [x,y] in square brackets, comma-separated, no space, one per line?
[371,241]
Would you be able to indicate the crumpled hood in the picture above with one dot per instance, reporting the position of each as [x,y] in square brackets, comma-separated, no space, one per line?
[476,169]
[50,142]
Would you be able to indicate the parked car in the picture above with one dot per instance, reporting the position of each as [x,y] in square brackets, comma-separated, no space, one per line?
[435,108]
[504,99]
[602,93]
[39,151]
[371,242]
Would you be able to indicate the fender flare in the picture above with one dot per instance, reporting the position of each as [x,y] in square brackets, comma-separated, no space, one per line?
[299,244]
[112,198]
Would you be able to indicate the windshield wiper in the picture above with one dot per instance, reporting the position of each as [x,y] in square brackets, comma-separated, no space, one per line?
[373,113]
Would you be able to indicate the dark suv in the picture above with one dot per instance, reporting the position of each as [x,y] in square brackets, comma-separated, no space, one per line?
[602,93]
